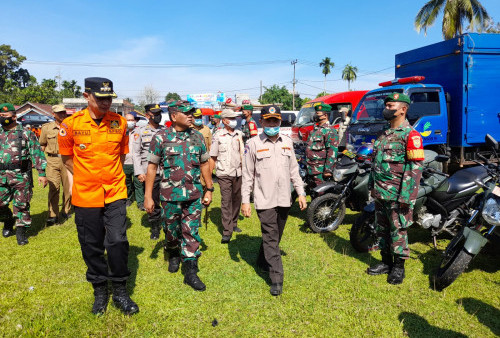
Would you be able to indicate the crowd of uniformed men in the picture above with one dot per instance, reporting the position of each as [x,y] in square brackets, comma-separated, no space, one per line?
[104,162]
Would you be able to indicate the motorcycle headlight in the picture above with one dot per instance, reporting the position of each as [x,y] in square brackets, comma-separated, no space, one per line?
[491,211]
[338,175]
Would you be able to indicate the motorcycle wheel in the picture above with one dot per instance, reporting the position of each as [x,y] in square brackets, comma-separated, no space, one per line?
[362,235]
[454,262]
[319,210]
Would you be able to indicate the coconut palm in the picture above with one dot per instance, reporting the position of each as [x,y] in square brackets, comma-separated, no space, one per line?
[455,14]
[327,65]
[349,74]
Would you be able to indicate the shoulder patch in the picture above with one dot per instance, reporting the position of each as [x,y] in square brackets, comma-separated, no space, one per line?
[415,147]
[62,132]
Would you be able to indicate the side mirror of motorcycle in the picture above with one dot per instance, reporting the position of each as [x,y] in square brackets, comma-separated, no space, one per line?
[491,141]
[441,158]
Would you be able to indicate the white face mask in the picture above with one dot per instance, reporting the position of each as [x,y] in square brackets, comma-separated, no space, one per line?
[130,125]
[232,124]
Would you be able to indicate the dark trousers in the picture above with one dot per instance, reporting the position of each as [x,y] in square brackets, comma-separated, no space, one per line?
[272,223]
[230,190]
[99,230]
[155,216]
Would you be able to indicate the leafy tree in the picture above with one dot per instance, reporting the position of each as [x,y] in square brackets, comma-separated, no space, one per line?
[349,74]
[326,65]
[455,13]
[322,94]
[306,99]
[172,96]
[276,94]
[10,62]
[149,95]
[490,26]
[45,92]
[71,89]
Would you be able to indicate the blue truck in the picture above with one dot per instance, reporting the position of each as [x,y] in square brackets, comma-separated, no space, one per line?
[454,86]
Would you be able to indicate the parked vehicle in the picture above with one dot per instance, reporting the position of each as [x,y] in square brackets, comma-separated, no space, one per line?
[443,204]
[452,87]
[482,227]
[303,123]
[349,187]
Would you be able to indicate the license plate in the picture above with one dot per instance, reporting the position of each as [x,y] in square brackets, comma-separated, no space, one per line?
[496,191]
[349,154]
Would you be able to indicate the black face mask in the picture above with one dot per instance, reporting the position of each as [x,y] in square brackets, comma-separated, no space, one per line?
[389,114]
[213,122]
[6,121]
[156,119]
[317,118]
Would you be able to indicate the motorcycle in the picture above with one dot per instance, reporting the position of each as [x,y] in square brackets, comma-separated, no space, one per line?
[349,187]
[470,239]
[443,204]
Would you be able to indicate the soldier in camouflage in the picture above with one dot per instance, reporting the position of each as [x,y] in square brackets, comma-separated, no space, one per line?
[249,129]
[19,149]
[322,145]
[182,154]
[394,180]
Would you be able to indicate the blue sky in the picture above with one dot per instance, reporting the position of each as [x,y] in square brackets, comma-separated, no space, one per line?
[365,33]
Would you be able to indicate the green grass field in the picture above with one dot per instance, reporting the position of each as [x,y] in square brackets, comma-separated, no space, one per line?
[43,290]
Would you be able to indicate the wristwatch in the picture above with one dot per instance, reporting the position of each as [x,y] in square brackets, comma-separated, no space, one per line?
[210,189]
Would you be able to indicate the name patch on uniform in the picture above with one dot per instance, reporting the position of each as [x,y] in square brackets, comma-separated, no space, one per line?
[260,150]
[114,124]
[115,131]
[287,148]
[81,132]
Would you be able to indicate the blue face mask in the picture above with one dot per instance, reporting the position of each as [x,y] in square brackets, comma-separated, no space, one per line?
[198,122]
[271,131]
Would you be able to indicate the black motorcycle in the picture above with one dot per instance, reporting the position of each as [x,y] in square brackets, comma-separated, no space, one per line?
[443,204]
[349,187]
[470,239]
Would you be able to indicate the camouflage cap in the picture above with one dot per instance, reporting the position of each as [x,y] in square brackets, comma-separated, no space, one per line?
[153,108]
[180,106]
[323,107]
[397,97]
[198,113]
[5,107]
[247,107]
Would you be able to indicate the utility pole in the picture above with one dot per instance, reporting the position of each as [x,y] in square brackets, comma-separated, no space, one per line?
[260,96]
[293,95]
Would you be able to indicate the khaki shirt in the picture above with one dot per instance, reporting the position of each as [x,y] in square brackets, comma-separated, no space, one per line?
[207,134]
[48,138]
[142,139]
[129,160]
[228,148]
[268,170]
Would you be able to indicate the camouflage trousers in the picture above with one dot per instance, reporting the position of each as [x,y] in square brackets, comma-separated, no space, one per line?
[315,171]
[15,187]
[182,221]
[392,227]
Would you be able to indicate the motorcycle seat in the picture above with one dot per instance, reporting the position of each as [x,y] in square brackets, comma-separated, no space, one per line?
[465,179]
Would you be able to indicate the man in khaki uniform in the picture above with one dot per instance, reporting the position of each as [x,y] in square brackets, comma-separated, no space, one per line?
[203,129]
[268,168]
[226,155]
[56,171]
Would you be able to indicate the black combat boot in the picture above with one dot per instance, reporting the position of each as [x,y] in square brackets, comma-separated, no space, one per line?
[191,278]
[174,260]
[276,289]
[398,272]
[8,227]
[101,298]
[122,300]
[384,267]
[21,235]
[155,231]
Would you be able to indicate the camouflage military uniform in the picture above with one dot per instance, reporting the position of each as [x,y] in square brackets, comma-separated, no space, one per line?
[16,181]
[397,168]
[249,130]
[180,154]
[321,151]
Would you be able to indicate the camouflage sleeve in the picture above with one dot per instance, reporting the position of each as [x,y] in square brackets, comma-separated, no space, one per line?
[155,149]
[331,145]
[36,154]
[412,168]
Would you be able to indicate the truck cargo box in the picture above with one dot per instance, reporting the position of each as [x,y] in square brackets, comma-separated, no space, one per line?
[468,68]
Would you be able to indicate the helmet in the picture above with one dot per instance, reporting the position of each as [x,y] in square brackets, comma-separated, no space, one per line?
[365,151]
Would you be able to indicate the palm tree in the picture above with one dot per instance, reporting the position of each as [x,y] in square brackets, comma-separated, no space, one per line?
[327,65]
[349,74]
[455,12]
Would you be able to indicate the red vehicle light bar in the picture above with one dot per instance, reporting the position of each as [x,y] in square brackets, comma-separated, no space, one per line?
[404,80]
